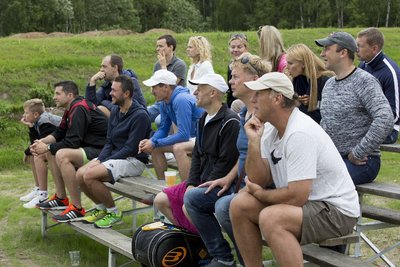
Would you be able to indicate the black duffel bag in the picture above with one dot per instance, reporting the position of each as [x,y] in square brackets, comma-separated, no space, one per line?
[165,245]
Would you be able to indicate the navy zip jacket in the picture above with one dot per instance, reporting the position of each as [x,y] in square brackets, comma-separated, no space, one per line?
[102,96]
[82,125]
[215,152]
[388,74]
[124,133]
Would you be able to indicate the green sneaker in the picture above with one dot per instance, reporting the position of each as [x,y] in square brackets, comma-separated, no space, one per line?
[94,216]
[109,220]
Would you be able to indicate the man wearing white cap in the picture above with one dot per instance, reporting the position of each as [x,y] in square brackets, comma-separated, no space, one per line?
[214,155]
[354,111]
[315,198]
[178,106]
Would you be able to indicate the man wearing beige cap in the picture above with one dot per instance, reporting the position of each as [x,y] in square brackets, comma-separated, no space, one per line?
[214,155]
[354,111]
[315,198]
[178,106]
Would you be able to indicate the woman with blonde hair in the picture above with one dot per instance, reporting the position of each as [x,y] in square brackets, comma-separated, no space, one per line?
[271,47]
[238,44]
[309,77]
[199,51]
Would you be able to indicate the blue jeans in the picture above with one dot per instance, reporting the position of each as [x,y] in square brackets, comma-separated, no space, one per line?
[362,174]
[201,210]
[154,112]
[222,213]
[392,137]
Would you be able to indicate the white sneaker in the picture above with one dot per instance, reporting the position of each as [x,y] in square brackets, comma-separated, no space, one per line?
[30,196]
[36,200]
[170,157]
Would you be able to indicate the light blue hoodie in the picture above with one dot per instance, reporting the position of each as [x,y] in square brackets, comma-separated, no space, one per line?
[183,112]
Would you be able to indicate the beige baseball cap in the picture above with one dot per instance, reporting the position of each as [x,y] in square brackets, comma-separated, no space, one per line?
[276,81]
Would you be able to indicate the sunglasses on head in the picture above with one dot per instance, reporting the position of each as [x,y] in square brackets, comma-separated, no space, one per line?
[246,60]
[239,35]
[259,30]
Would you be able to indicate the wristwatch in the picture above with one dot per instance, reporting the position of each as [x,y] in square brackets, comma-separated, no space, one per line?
[48,147]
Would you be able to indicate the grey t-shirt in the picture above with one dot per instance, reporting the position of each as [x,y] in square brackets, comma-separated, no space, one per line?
[176,66]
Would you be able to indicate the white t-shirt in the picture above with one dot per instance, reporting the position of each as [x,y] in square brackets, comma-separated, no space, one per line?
[306,152]
[200,69]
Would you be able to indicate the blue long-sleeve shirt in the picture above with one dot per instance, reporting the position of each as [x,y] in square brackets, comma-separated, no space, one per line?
[124,133]
[183,112]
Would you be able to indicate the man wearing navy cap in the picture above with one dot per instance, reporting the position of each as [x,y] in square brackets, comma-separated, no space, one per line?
[355,112]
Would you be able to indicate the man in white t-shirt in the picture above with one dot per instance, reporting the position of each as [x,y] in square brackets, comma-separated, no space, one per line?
[315,198]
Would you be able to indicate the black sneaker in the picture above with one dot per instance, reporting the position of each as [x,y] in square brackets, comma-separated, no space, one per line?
[71,214]
[54,203]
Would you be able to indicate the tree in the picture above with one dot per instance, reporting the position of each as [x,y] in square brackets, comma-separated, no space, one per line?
[189,17]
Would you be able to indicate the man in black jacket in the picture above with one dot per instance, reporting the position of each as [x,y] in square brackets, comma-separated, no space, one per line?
[111,67]
[213,157]
[79,138]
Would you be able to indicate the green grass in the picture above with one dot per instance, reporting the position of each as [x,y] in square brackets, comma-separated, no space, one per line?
[34,63]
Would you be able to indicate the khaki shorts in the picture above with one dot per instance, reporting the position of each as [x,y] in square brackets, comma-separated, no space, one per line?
[118,168]
[322,221]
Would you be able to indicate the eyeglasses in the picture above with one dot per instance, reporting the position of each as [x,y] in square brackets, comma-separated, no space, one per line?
[246,60]
[239,35]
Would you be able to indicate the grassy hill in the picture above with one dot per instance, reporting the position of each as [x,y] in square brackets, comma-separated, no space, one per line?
[27,64]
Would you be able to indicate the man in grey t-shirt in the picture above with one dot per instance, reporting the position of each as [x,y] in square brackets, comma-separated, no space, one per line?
[165,47]
[355,112]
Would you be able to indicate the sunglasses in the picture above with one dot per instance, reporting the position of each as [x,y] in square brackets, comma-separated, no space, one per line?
[260,29]
[239,35]
[246,60]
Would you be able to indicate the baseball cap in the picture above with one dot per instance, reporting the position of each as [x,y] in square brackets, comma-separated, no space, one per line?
[276,81]
[343,39]
[213,79]
[161,76]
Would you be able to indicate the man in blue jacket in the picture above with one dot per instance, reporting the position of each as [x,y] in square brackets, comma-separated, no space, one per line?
[370,44]
[178,106]
[111,67]
[129,123]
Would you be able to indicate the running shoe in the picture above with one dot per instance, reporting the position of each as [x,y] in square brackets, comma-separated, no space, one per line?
[70,214]
[94,216]
[54,203]
[31,195]
[109,220]
[36,200]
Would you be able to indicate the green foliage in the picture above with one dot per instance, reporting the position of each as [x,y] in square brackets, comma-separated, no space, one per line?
[181,15]
[46,94]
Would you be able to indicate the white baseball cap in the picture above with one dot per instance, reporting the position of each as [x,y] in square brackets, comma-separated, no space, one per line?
[276,81]
[212,79]
[161,76]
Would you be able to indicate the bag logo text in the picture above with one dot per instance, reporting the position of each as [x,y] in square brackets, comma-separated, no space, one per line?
[174,257]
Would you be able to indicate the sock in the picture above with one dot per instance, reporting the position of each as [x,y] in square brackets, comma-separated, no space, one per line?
[226,262]
[43,193]
[78,208]
[100,206]
[112,210]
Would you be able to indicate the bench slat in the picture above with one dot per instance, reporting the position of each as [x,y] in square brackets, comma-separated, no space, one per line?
[326,257]
[343,240]
[381,214]
[130,192]
[145,184]
[391,147]
[107,237]
[380,189]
